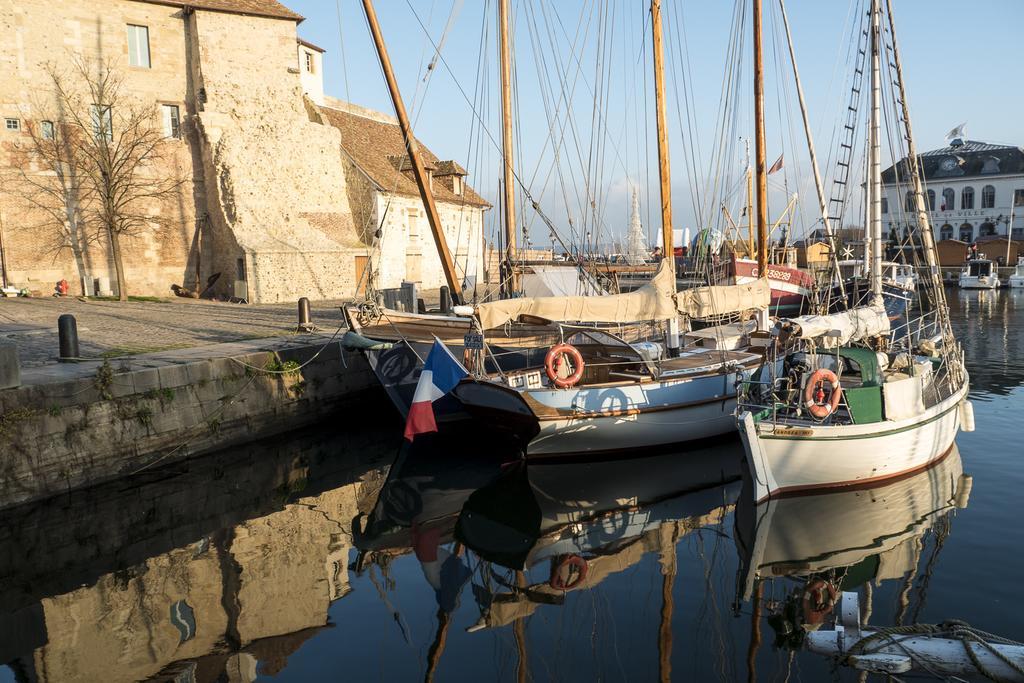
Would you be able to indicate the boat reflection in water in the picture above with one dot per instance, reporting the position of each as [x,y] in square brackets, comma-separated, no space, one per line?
[810,548]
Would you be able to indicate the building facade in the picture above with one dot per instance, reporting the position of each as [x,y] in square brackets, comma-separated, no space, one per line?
[975,190]
[265,206]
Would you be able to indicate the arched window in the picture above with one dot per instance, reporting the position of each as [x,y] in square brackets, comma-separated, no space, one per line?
[946,232]
[967,198]
[988,197]
[948,199]
[931,200]
[908,202]
[967,233]
[986,229]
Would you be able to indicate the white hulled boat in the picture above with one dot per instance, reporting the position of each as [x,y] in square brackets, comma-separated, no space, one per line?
[979,273]
[839,403]
[1017,279]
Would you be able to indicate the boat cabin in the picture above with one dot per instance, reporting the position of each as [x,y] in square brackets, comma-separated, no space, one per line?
[979,267]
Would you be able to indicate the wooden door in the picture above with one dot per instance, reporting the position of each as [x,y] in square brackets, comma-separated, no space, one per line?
[362,278]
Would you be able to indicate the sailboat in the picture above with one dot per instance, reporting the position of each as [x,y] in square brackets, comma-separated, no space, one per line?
[839,401]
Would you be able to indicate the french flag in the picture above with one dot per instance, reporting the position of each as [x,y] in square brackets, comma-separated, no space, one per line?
[440,374]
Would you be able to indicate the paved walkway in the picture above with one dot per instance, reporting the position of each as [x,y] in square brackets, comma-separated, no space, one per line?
[113,329]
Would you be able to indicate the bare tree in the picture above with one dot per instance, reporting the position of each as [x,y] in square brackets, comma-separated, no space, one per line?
[109,161]
[50,181]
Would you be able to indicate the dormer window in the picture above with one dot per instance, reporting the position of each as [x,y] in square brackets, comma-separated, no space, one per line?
[457,184]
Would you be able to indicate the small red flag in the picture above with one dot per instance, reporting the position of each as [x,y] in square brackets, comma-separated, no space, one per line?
[777,166]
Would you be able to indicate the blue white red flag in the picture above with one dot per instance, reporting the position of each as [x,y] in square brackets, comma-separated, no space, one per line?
[440,374]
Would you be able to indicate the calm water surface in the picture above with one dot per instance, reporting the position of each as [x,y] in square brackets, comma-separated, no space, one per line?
[329,557]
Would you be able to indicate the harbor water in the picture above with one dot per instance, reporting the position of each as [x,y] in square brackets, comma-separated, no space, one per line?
[345,554]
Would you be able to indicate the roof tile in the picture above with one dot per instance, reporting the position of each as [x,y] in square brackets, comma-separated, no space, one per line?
[259,8]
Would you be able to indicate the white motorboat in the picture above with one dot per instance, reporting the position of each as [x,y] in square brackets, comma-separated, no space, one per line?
[1017,279]
[979,273]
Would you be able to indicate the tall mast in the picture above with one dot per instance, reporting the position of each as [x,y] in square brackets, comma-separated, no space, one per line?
[663,165]
[874,183]
[422,182]
[664,171]
[509,187]
[760,162]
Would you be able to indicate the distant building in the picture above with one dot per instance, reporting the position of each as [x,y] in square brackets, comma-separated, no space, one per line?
[972,187]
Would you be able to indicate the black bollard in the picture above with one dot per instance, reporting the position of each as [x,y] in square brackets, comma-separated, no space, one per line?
[304,317]
[446,300]
[67,332]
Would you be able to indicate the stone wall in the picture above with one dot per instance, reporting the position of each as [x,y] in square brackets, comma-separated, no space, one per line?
[62,436]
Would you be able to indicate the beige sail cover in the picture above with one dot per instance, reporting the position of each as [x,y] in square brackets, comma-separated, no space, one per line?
[654,301]
[842,328]
[704,302]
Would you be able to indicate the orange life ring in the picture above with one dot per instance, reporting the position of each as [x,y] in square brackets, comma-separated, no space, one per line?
[553,362]
[562,578]
[814,393]
[818,601]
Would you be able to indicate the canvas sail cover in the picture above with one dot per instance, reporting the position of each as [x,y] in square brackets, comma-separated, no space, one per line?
[654,301]
[841,328]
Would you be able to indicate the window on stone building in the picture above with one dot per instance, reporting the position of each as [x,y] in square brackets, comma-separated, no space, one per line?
[1018,197]
[988,197]
[967,233]
[12,124]
[172,121]
[102,122]
[885,205]
[967,198]
[310,62]
[986,229]
[457,188]
[946,232]
[908,201]
[931,200]
[47,130]
[138,46]
[412,223]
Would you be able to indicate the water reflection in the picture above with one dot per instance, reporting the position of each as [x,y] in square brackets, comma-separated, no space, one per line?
[309,557]
[805,550]
[990,326]
[218,570]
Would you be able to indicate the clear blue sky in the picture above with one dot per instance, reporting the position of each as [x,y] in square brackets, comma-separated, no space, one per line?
[962,62]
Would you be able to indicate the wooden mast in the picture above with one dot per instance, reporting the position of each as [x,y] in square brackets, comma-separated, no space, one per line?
[664,172]
[760,161]
[662,121]
[426,194]
[508,186]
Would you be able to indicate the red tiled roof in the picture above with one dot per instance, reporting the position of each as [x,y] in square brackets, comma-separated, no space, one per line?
[375,146]
[259,8]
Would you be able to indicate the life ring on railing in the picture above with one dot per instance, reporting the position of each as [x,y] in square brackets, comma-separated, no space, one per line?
[818,601]
[569,573]
[814,393]
[553,363]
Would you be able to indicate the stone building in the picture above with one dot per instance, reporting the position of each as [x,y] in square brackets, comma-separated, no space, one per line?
[265,202]
[385,199]
[973,190]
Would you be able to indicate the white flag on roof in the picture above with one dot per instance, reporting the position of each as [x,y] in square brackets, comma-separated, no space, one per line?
[957,133]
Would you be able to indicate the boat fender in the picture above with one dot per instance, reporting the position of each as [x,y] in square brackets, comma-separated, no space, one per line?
[818,600]
[463,311]
[814,393]
[569,573]
[553,363]
[966,416]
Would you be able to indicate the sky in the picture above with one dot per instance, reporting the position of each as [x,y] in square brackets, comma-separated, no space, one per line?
[583,87]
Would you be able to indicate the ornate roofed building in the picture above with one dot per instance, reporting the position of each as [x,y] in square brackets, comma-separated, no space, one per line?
[974,189]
